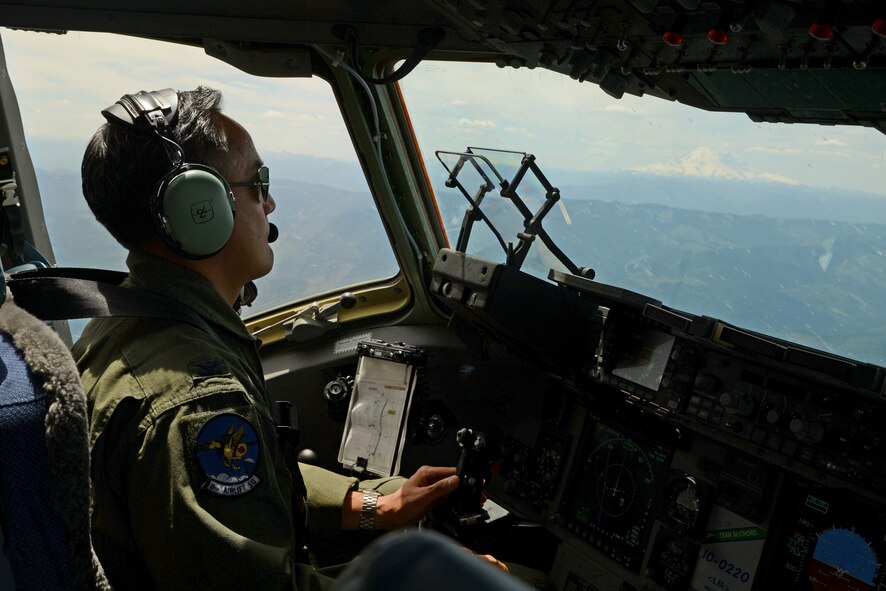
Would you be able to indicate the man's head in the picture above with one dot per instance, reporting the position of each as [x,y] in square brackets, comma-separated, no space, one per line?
[123,165]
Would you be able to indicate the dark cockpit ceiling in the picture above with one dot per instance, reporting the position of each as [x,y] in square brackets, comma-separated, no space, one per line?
[780,61]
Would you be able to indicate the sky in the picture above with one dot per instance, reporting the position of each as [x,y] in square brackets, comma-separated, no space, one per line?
[63,81]
[580,127]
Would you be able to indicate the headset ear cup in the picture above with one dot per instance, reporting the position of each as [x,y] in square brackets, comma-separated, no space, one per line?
[194,208]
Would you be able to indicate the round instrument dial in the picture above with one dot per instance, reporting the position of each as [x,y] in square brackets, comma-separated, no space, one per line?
[682,503]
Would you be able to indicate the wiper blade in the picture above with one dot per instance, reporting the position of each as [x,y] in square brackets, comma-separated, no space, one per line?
[515,256]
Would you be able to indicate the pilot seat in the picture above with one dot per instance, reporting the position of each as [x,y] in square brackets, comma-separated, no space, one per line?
[44,460]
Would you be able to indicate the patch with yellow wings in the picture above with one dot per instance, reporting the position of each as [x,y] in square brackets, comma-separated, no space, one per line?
[228,451]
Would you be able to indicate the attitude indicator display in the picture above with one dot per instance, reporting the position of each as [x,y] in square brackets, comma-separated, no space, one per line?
[832,543]
[612,502]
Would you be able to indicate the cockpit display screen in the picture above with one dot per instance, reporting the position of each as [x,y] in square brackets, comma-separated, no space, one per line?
[611,505]
[831,542]
[643,357]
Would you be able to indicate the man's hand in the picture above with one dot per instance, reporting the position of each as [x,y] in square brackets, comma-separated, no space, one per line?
[494,562]
[418,495]
[407,506]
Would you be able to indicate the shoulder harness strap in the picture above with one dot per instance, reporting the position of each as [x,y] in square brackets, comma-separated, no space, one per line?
[69,293]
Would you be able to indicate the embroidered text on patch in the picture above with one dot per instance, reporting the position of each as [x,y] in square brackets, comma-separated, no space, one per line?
[228,452]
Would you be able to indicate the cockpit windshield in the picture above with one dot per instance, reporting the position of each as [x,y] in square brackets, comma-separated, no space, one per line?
[330,232]
[776,228]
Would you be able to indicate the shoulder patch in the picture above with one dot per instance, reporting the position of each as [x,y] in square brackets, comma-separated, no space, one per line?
[228,452]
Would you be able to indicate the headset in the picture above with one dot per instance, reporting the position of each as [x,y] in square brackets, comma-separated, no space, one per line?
[192,204]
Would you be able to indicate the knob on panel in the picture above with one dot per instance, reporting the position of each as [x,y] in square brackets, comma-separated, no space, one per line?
[805,429]
[737,404]
[771,414]
[706,383]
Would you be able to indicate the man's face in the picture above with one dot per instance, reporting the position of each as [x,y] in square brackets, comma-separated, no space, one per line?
[248,252]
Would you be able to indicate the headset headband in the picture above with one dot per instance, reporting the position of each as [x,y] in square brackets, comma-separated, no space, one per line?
[161,106]
[152,112]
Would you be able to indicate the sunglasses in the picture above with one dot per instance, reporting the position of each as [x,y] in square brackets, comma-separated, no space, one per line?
[262,183]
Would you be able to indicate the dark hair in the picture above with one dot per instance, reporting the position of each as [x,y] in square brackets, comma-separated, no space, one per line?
[122,165]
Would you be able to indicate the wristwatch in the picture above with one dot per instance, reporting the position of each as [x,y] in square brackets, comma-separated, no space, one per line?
[367,513]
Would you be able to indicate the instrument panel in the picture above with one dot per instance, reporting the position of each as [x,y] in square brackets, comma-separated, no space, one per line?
[807,421]
[691,454]
[637,446]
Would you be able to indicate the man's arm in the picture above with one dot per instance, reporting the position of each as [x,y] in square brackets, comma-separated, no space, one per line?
[407,505]
[209,506]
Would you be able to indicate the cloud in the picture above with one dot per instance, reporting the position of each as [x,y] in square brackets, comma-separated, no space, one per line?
[271,114]
[780,151]
[478,123]
[308,117]
[458,103]
[776,178]
[827,142]
[618,109]
[519,130]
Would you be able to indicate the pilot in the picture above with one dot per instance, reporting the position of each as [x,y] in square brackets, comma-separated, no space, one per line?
[190,488]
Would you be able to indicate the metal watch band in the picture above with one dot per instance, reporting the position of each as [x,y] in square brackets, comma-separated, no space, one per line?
[367,513]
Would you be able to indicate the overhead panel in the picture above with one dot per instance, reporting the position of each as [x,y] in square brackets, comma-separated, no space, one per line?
[787,61]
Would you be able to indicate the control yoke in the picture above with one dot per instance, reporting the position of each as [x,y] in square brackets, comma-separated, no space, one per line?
[464,507]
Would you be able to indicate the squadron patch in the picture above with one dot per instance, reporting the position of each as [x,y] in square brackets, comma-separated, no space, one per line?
[228,451]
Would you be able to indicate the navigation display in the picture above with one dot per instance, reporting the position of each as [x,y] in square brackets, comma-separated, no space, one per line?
[643,357]
[612,501]
[831,543]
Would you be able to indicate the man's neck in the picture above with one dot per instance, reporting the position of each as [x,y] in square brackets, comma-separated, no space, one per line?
[213,269]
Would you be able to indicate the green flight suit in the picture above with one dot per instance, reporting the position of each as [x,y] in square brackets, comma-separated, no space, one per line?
[169,405]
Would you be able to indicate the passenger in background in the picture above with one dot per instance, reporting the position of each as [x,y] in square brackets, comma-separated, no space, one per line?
[190,489]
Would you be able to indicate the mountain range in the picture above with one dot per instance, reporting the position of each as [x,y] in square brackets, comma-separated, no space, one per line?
[804,264]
